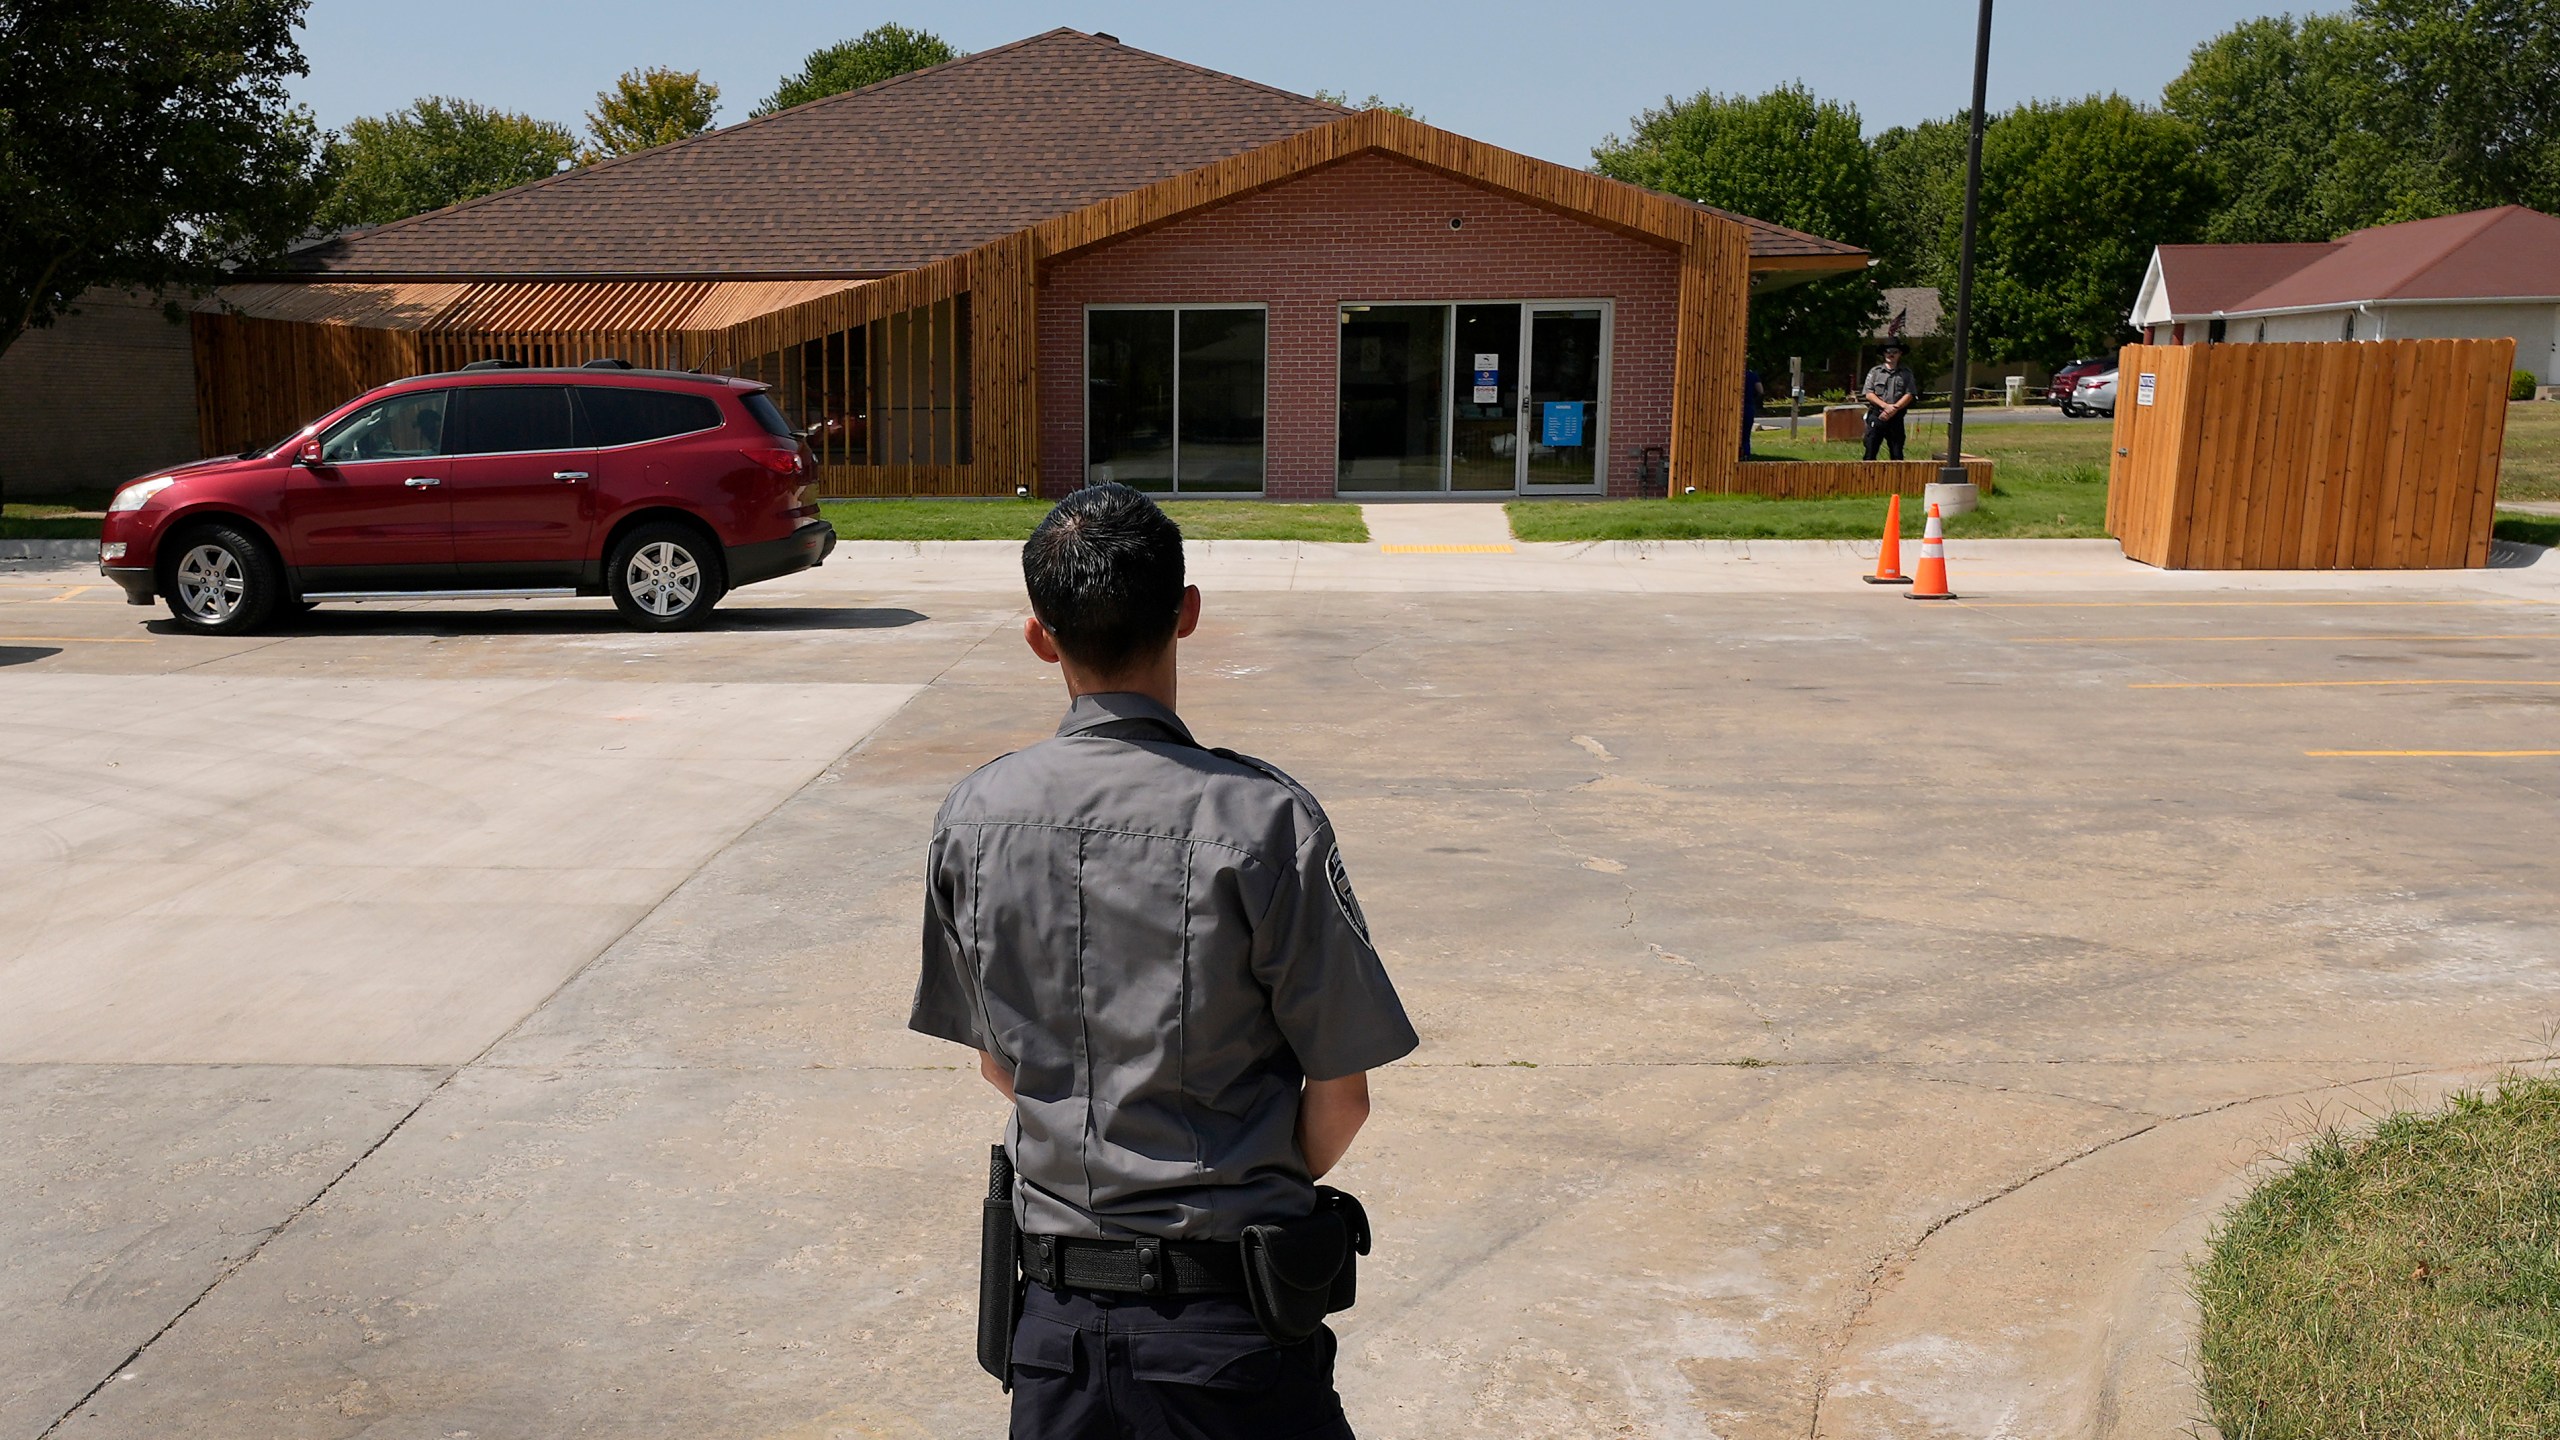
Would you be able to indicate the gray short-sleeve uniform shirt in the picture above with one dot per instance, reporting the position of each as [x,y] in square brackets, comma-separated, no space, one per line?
[1160,941]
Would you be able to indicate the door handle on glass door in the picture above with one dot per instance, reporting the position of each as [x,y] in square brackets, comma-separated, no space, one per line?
[421,482]
[568,474]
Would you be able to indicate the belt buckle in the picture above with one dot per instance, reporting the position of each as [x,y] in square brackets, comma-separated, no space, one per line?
[1151,1276]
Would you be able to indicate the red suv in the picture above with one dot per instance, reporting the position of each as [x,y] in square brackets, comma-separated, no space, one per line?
[665,491]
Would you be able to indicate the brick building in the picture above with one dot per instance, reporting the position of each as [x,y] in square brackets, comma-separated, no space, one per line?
[100,396]
[1067,260]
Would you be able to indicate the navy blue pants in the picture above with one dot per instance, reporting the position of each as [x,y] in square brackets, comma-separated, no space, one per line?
[1092,1366]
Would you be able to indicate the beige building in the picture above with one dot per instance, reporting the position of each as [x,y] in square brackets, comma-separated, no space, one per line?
[2482,275]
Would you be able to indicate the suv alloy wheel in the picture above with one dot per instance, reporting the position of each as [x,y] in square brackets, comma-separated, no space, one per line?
[664,577]
[223,581]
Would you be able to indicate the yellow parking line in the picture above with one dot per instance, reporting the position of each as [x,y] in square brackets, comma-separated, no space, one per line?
[76,639]
[2340,638]
[74,591]
[1445,550]
[2213,604]
[2426,754]
[2311,684]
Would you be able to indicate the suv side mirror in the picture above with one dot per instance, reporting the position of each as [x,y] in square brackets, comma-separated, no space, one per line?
[309,455]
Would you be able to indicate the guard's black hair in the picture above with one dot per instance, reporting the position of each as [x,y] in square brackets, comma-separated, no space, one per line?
[1105,575]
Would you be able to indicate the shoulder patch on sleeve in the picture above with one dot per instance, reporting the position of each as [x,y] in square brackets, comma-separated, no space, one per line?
[1340,879]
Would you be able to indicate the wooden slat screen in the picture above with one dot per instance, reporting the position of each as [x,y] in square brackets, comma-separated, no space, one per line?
[2347,455]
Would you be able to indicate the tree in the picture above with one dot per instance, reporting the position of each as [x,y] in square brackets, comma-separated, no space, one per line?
[2286,114]
[1786,157]
[1919,203]
[877,54]
[438,152]
[2476,85]
[2075,194]
[1375,101]
[147,145]
[649,108]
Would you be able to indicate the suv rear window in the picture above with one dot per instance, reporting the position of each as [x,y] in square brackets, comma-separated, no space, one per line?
[620,416]
[771,419]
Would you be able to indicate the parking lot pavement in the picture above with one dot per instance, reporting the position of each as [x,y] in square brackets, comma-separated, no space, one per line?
[1840,1015]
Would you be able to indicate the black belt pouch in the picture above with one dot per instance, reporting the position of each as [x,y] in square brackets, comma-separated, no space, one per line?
[1297,1273]
[999,1271]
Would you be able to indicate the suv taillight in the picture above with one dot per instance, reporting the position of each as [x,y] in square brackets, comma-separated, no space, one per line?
[780,462]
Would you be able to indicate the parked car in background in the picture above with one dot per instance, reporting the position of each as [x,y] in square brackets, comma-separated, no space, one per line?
[2069,375]
[663,490]
[2093,395]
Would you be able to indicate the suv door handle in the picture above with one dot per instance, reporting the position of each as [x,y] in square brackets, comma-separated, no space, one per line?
[421,482]
[568,474]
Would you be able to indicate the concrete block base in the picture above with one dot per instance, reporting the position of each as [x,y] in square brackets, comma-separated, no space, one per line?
[1951,500]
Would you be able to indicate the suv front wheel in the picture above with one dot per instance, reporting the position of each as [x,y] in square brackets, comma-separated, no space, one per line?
[223,581]
[665,577]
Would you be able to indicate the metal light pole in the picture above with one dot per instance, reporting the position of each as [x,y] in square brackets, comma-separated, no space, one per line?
[1953,472]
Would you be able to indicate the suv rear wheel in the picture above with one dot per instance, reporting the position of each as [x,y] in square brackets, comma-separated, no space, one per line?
[664,576]
[223,581]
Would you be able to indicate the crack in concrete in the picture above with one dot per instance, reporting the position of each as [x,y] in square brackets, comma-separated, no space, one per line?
[1876,1281]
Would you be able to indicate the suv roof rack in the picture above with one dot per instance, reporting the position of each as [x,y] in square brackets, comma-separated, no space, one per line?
[495,365]
[609,362]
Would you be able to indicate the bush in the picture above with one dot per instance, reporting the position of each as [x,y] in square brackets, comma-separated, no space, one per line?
[2520,385]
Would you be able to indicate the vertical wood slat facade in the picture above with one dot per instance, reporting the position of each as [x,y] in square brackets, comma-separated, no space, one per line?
[951,354]
[2348,455]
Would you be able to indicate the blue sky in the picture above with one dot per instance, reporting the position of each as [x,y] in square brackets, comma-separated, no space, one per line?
[1550,79]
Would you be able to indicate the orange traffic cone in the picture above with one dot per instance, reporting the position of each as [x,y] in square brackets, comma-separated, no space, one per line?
[1932,584]
[1889,558]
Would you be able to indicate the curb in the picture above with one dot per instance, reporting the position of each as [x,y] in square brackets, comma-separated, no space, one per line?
[49,550]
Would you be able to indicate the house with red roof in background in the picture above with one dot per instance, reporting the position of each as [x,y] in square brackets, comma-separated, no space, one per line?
[2474,276]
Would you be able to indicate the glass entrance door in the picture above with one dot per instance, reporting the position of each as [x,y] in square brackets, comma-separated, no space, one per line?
[1561,424]
[1476,398]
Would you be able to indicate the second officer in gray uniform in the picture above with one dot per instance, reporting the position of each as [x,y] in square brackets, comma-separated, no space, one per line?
[1154,948]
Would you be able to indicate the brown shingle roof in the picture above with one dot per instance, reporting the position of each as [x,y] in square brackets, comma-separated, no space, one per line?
[874,180]
[2506,253]
[881,179]
[2210,279]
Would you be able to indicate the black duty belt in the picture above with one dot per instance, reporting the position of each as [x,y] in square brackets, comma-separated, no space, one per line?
[1161,1268]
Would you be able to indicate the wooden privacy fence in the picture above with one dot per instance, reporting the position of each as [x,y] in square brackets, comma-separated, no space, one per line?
[2349,455]
[1835,479]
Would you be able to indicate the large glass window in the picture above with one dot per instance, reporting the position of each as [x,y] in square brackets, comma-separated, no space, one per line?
[1389,428]
[1484,399]
[1174,398]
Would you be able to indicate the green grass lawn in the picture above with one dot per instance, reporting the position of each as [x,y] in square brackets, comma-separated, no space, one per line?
[1014,519]
[2403,1284]
[2049,481]
[46,522]
[2529,469]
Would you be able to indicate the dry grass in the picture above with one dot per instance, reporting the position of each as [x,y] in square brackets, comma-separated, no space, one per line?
[2402,1284]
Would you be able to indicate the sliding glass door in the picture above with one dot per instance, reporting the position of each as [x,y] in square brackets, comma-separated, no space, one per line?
[1507,397]
[1174,398]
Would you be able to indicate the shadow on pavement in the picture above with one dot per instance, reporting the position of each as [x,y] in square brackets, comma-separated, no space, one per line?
[25,654]
[357,620]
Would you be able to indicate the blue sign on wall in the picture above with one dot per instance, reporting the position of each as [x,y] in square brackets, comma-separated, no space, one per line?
[1561,423]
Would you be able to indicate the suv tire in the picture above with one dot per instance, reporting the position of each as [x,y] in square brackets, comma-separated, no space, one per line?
[665,576]
[223,581]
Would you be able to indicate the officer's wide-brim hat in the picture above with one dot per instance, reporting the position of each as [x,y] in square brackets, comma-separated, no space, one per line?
[1896,347]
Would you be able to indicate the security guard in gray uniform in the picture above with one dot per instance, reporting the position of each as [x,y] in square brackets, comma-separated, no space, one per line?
[1155,951]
